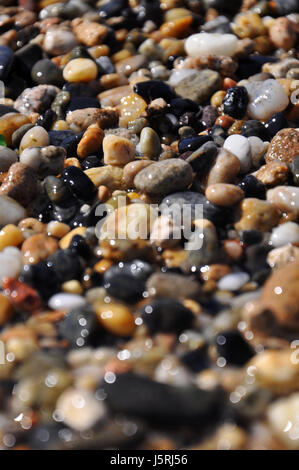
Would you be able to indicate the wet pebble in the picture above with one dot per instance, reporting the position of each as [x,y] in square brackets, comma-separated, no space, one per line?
[284,234]
[223,194]
[46,72]
[285,198]
[44,160]
[257,215]
[78,182]
[224,169]
[265,98]
[80,70]
[118,151]
[36,99]
[79,326]
[211,43]
[66,301]
[37,136]
[284,146]
[164,177]
[149,143]
[20,184]
[233,281]
[59,41]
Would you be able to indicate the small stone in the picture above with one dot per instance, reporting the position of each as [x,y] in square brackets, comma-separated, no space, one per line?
[252,127]
[91,141]
[257,215]
[90,33]
[131,169]
[285,198]
[282,33]
[44,160]
[131,64]
[164,177]
[118,151]
[10,264]
[20,184]
[225,168]
[10,235]
[66,302]
[79,409]
[223,194]
[81,119]
[166,315]
[116,318]
[37,136]
[233,281]
[284,146]
[80,70]
[173,285]
[38,247]
[108,175]
[9,123]
[235,102]
[240,147]
[7,158]
[202,247]
[273,173]
[149,143]
[282,256]
[265,98]
[11,212]
[6,60]
[46,72]
[199,86]
[35,100]
[78,182]
[211,43]
[284,234]
[113,97]
[59,41]
[131,108]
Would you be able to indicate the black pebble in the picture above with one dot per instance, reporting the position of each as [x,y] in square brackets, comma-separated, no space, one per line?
[152,89]
[136,268]
[218,135]
[57,137]
[252,187]
[79,327]
[233,347]
[79,89]
[202,159]
[79,183]
[178,106]
[251,237]
[80,246]
[167,316]
[6,60]
[26,58]
[125,287]
[57,191]
[112,8]
[46,72]
[193,143]
[46,120]
[275,124]
[82,103]
[41,277]
[70,143]
[255,128]
[65,264]
[235,102]
[91,162]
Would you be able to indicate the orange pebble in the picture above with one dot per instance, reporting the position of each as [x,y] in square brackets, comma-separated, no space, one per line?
[177,28]
[91,141]
[224,121]
[72,162]
[228,83]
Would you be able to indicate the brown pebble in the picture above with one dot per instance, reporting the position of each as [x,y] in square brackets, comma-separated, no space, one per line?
[83,118]
[103,193]
[131,64]
[38,247]
[6,310]
[273,173]
[91,141]
[282,33]
[284,146]
[257,215]
[214,272]
[223,194]
[89,32]
[131,170]
[225,168]
[20,184]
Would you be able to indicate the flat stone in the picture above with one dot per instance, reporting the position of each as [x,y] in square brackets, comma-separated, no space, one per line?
[199,86]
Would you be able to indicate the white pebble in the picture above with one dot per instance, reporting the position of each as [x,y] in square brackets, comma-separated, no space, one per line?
[284,234]
[285,198]
[233,281]
[265,99]
[211,43]
[257,146]
[240,147]
[79,409]
[10,262]
[66,301]
[35,137]
[11,212]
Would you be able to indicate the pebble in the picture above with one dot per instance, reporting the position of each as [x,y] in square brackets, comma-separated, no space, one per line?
[235,102]
[223,194]
[265,98]
[173,285]
[131,169]
[240,147]
[202,247]
[131,107]
[108,175]
[10,262]
[117,150]
[9,123]
[46,72]
[211,43]
[273,173]
[38,247]
[284,146]
[78,182]
[37,99]
[280,414]
[282,34]
[257,215]
[80,70]
[44,160]
[89,33]
[6,60]
[79,409]
[66,302]
[160,403]
[149,143]
[125,287]
[7,158]
[164,177]
[252,127]
[6,310]
[230,344]
[10,235]
[59,41]
[91,141]
[81,119]
[131,64]
[285,198]
[233,281]
[280,257]
[284,234]
[225,168]
[116,318]
[11,212]
[37,136]
[20,184]
[199,86]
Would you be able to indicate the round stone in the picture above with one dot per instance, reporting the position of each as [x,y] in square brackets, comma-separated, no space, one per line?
[211,43]
[240,147]
[284,234]
[223,194]
[265,98]
[80,70]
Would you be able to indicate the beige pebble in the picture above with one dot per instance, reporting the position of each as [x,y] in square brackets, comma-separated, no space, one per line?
[72,287]
[257,215]
[80,70]
[225,168]
[38,247]
[162,233]
[273,173]
[131,169]
[37,136]
[81,119]
[283,417]
[282,34]
[108,175]
[283,255]
[223,194]
[118,151]
[285,198]
[113,97]
[116,318]
[57,229]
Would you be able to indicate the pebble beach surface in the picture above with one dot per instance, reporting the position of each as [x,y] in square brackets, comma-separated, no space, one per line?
[133,333]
